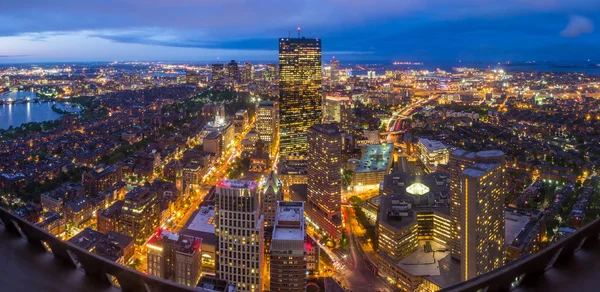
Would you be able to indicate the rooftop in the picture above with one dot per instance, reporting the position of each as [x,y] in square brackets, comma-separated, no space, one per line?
[289,222]
[436,184]
[515,223]
[329,129]
[376,158]
[432,145]
[266,103]
[479,169]
[203,221]
[87,238]
[237,184]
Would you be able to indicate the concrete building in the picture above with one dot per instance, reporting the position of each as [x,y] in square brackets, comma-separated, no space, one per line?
[335,71]
[107,219]
[288,267]
[223,127]
[375,163]
[101,178]
[193,173]
[324,178]
[460,160]
[240,233]
[175,257]
[272,193]
[212,143]
[240,121]
[338,109]
[523,232]
[481,222]
[218,73]
[266,122]
[432,153]
[202,225]
[413,228]
[140,214]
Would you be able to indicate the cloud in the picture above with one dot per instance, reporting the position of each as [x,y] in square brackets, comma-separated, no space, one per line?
[577,26]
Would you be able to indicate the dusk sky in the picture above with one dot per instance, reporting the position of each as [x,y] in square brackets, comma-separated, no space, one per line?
[204,30]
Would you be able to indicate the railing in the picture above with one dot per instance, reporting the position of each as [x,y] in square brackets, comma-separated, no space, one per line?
[94,265]
[530,268]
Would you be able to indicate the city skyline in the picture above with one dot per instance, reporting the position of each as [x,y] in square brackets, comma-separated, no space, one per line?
[68,31]
[311,172]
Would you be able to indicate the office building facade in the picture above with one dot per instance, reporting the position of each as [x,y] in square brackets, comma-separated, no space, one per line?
[240,233]
[324,177]
[300,79]
[477,193]
[287,255]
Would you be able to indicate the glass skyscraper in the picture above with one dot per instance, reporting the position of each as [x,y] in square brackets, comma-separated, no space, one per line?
[300,79]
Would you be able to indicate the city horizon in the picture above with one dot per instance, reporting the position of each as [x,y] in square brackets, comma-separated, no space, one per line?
[418,145]
[469,30]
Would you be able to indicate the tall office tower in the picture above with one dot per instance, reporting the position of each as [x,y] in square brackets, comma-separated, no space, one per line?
[271,194]
[266,121]
[482,218]
[248,72]
[288,266]
[233,71]
[271,72]
[140,214]
[338,109]
[240,234]
[324,178]
[218,72]
[459,160]
[335,71]
[300,77]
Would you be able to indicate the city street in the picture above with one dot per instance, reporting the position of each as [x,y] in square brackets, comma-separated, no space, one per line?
[361,277]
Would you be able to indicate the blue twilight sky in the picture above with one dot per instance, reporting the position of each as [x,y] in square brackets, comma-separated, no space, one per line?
[204,30]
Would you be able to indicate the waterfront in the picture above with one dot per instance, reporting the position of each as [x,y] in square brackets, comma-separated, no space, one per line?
[17,95]
[26,112]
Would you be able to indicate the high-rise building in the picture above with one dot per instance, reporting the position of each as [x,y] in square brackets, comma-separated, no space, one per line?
[432,153]
[338,109]
[335,71]
[288,266]
[248,72]
[270,73]
[140,214]
[324,178]
[240,233]
[482,220]
[233,71]
[218,73]
[459,161]
[266,121]
[175,257]
[271,194]
[300,78]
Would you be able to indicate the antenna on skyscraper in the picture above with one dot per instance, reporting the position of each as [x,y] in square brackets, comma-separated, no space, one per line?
[298,32]
[289,34]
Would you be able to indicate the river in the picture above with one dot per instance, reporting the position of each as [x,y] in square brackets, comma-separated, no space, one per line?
[19,113]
